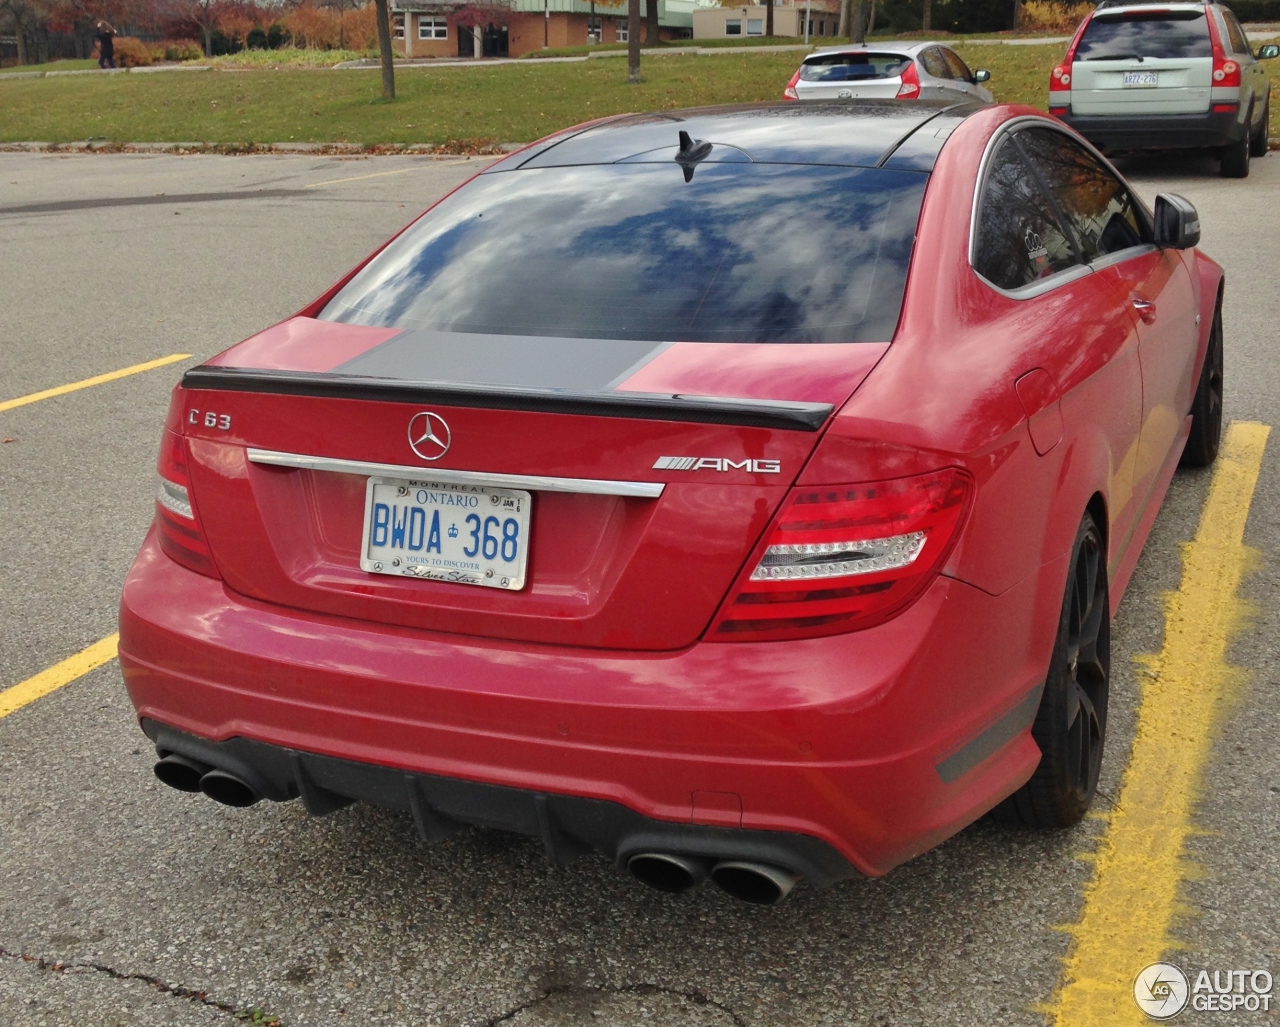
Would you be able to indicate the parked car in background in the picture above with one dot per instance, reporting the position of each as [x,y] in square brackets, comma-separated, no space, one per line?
[1168,76]
[924,71]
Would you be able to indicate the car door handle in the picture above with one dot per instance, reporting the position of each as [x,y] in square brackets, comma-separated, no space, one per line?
[1145,308]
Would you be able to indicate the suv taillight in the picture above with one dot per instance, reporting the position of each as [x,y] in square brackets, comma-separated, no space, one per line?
[177,524]
[790,92]
[841,558]
[1226,70]
[1060,77]
[910,87]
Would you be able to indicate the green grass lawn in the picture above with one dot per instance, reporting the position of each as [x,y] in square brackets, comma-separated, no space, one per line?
[498,103]
[88,62]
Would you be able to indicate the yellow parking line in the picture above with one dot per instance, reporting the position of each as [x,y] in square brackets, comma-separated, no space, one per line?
[110,376]
[383,174]
[58,675]
[1141,863]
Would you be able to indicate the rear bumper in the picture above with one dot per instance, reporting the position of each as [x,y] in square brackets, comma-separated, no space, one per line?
[1114,133]
[874,746]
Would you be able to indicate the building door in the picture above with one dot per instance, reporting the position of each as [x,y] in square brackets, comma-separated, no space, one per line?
[495,41]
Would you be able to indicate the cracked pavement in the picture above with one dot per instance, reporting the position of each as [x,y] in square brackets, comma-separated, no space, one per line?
[123,902]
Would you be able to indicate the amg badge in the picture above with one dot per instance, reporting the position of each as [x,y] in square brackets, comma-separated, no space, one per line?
[716,463]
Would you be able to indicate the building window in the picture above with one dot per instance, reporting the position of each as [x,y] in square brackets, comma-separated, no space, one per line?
[822,28]
[755,26]
[432,28]
[595,30]
[622,31]
[733,27]
[397,26]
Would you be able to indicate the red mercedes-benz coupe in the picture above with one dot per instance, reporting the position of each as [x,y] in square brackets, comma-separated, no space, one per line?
[741,492]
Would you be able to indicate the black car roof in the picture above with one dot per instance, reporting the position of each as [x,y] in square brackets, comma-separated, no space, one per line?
[902,135]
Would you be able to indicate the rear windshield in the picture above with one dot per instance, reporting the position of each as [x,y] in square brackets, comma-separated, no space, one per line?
[1145,34]
[840,67]
[741,253]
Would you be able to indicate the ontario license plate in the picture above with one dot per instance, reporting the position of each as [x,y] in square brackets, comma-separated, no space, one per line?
[467,534]
[1141,78]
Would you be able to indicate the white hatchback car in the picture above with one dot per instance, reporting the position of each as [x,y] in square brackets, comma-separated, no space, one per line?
[921,71]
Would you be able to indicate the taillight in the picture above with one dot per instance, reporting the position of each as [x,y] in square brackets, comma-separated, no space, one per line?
[177,523]
[1060,77]
[841,558]
[790,92]
[910,87]
[1226,72]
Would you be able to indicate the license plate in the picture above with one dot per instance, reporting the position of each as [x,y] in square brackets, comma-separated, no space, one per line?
[467,534]
[1141,78]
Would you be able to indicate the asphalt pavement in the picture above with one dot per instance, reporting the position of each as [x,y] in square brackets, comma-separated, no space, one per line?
[124,902]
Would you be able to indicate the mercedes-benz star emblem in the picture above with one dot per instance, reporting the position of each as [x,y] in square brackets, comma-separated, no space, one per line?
[429,435]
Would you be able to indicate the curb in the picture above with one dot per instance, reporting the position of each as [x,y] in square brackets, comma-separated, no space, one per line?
[106,71]
[245,149]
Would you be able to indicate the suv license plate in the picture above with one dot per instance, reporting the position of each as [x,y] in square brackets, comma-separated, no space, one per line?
[467,534]
[1141,78]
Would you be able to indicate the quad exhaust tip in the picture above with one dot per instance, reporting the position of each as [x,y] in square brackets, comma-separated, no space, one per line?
[667,871]
[760,883]
[228,789]
[181,773]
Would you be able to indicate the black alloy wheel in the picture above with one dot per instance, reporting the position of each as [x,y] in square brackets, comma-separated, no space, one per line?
[1071,724]
[1234,162]
[1258,141]
[1206,408]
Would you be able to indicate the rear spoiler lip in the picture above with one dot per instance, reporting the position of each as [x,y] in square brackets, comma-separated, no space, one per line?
[787,415]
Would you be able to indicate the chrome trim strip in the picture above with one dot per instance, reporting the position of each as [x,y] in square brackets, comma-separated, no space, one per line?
[1041,285]
[1120,256]
[534,482]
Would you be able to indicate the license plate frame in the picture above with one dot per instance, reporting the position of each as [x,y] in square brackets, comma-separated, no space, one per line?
[434,548]
[1140,80]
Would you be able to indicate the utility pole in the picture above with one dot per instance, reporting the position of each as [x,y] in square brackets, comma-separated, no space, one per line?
[546,23]
[808,19]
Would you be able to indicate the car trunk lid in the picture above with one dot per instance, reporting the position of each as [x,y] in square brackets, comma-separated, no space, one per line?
[650,476]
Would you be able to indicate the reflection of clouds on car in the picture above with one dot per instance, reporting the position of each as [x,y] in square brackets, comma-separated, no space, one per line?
[630,251]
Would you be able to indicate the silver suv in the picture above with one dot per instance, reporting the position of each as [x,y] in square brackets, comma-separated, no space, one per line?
[1168,76]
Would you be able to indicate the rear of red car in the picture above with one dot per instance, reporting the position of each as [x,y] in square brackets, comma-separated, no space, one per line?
[507,532]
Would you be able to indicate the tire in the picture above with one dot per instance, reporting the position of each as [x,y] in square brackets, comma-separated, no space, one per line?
[1206,407]
[1233,161]
[1071,724]
[1258,141]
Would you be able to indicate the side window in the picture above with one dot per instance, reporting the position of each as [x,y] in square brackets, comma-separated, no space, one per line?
[1020,238]
[1239,42]
[934,63]
[1100,210]
[959,70]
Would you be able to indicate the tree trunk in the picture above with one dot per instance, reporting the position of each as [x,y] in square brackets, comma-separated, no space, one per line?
[42,44]
[384,45]
[926,22]
[633,40]
[871,20]
[591,25]
[20,32]
[768,18]
[651,22]
[843,29]
[857,28]
[1017,14]
[208,40]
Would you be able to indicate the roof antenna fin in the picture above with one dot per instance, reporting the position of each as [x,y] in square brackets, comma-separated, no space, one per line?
[691,151]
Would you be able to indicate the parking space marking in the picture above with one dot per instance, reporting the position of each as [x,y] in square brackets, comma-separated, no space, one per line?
[383,174]
[1140,864]
[110,376]
[59,674]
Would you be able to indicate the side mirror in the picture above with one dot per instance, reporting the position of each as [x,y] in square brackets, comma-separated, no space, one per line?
[982,75]
[1267,51]
[1177,223]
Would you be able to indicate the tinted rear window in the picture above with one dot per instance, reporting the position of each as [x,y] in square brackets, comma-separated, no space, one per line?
[1156,34]
[742,253]
[841,67]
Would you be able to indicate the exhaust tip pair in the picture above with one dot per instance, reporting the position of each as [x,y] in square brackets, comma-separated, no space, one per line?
[759,883]
[188,775]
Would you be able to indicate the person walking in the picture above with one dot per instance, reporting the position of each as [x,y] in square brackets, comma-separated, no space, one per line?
[106,37]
